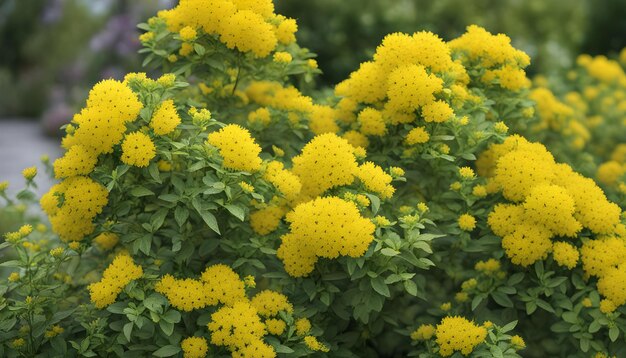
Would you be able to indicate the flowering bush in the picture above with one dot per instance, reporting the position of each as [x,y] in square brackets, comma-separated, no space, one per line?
[220,209]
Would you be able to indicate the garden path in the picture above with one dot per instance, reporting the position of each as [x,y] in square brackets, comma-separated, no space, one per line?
[22,143]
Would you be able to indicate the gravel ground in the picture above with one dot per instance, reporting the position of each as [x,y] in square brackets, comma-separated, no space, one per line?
[22,143]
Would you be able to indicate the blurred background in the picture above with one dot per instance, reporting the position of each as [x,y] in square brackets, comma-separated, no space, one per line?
[53,51]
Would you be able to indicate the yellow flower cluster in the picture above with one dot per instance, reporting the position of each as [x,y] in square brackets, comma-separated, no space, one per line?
[314,344]
[106,240]
[138,149]
[503,64]
[420,79]
[326,162]
[194,347]
[323,227]
[284,180]
[375,179]
[238,327]
[467,222]
[554,200]
[565,254]
[119,274]
[165,119]
[266,220]
[72,205]
[268,303]
[249,26]
[218,284]
[423,332]
[237,147]
[559,117]
[102,123]
[458,334]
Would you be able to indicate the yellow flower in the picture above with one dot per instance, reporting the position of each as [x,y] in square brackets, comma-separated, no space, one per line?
[237,147]
[275,326]
[4,185]
[467,222]
[466,173]
[458,334]
[146,36]
[56,252]
[417,135]
[138,149]
[29,173]
[187,33]
[501,128]
[423,332]
[194,347]
[25,230]
[314,344]
[282,57]
[303,326]
[165,119]
[14,277]
[518,342]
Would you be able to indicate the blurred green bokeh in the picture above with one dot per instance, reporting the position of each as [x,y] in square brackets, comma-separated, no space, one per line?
[552,32]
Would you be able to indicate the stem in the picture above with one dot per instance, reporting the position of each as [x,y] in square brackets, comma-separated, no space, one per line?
[238,72]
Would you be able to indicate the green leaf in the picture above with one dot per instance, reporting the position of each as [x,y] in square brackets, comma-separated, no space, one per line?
[141,191]
[171,316]
[10,263]
[375,202]
[181,214]
[389,252]
[236,211]
[502,299]
[153,170]
[166,327]
[128,330]
[208,217]
[166,351]
[200,50]
[545,305]
[613,333]
[279,348]
[508,327]
[378,284]
[410,287]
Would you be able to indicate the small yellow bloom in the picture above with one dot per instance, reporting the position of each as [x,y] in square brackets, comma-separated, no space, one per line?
[29,173]
[423,332]
[456,186]
[446,306]
[467,222]
[188,33]
[312,63]
[303,326]
[146,36]
[501,128]
[14,277]
[56,252]
[422,207]
[25,230]
[282,57]
[74,245]
[4,185]
[466,172]
[587,302]
[18,342]
[518,342]
[249,281]
[172,58]
[246,187]
[397,172]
